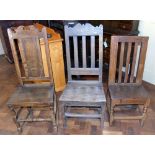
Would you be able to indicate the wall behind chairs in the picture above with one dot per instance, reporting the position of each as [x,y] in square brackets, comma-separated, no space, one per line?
[1,48]
[147,28]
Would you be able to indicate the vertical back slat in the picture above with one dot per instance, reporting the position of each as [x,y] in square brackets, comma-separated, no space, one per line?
[76,59]
[141,62]
[127,62]
[84,51]
[100,57]
[113,59]
[121,62]
[134,62]
[92,51]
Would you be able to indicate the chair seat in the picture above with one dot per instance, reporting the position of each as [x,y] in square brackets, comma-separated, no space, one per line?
[32,96]
[83,93]
[130,93]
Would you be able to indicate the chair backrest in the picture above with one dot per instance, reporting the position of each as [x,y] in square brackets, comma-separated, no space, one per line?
[26,48]
[83,36]
[127,59]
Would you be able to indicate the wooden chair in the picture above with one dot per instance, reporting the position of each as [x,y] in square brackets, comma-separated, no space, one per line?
[83,93]
[127,59]
[36,91]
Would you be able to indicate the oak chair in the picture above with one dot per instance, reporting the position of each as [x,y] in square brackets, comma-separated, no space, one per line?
[36,91]
[79,92]
[127,59]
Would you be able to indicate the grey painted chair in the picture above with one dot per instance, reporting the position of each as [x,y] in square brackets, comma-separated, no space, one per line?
[83,93]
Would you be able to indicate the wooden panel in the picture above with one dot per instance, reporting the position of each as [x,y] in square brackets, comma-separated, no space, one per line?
[56,54]
[31,50]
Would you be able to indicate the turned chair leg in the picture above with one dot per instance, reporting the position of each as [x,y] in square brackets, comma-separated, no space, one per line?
[18,125]
[144,112]
[15,118]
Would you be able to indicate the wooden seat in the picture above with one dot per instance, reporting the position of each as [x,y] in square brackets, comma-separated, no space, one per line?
[83,93]
[127,94]
[32,96]
[78,92]
[127,59]
[36,90]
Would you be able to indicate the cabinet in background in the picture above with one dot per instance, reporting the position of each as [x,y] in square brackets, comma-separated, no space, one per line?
[115,27]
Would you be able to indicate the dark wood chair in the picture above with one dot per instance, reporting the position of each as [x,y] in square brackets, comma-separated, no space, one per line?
[36,91]
[127,59]
[83,93]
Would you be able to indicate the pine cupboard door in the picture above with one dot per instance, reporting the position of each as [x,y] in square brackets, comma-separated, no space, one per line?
[56,56]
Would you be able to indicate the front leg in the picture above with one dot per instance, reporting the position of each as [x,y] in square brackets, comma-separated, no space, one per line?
[15,117]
